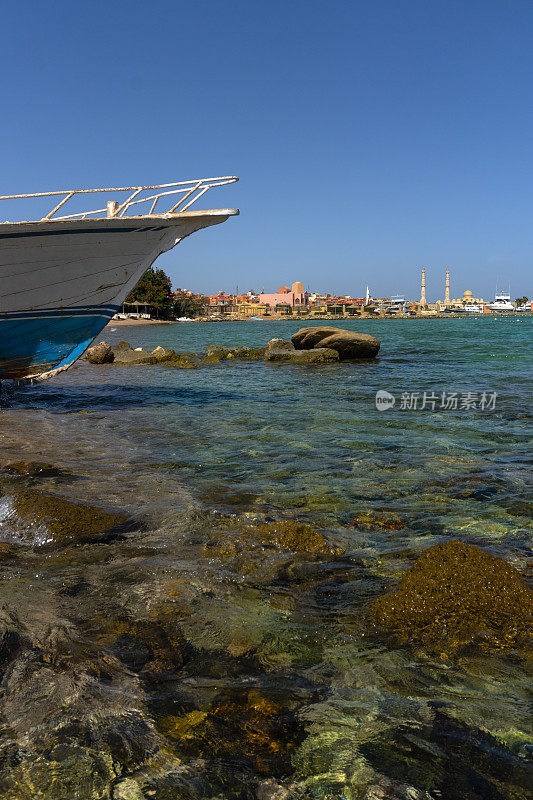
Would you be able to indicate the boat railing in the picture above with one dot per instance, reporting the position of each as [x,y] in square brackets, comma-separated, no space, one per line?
[188,192]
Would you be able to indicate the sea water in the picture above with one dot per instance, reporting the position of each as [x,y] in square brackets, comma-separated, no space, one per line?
[152,662]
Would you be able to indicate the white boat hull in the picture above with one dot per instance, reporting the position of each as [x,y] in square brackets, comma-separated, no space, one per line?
[62,281]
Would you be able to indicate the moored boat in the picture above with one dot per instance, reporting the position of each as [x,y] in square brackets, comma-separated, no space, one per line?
[63,278]
[502,302]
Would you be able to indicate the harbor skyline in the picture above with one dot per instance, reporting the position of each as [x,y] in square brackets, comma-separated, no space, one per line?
[462,295]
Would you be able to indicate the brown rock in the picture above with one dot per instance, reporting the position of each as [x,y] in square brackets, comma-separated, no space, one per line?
[181,361]
[217,350]
[377,520]
[247,353]
[122,347]
[348,344]
[456,596]
[8,550]
[250,727]
[162,354]
[296,536]
[319,355]
[241,352]
[129,356]
[144,645]
[33,469]
[252,548]
[67,522]
[279,344]
[100,354]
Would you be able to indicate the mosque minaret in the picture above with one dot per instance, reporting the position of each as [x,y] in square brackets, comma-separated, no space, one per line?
[423,288]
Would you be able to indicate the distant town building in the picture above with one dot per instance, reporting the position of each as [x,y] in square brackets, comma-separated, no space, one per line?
[286,297]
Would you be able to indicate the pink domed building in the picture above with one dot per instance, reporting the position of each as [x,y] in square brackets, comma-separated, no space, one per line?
[294,297]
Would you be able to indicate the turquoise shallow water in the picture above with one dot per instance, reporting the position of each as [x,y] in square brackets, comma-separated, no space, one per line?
[181,452]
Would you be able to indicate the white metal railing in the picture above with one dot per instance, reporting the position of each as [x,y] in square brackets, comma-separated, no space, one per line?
[190,192]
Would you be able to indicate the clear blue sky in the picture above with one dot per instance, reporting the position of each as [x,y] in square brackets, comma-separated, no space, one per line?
[370,137]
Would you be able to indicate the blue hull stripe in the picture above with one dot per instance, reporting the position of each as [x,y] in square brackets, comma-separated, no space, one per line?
[74,311]
[30,345]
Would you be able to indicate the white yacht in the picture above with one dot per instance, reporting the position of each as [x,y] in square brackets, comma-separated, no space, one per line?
[502,302]
[397,304]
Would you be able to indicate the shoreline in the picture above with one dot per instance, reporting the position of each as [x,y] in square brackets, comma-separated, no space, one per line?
[124,323]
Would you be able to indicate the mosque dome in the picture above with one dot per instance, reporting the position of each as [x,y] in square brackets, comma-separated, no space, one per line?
[283,290]
[468,293]
[298,287]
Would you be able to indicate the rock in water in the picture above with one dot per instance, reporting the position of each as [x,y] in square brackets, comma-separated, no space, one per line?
[348,344]
[456,596]
[375,520]
[100,354]
[279,344]
[241,352]
[164,354]
[122,347]
[250,727]
[127,355]
[67,522]
[34,469]
[259,551]
[248,353]
[320,355]
[217,350]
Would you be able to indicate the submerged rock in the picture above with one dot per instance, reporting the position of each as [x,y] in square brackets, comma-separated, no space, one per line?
[100,354]
[290,535]
[260,551]
[217,350]
[66,770]
[270,789]
[241,352]
[183,362]
[125,354]
[253,728]
[35,469]
[457,596]
[348,344]
[247,353]
[444,758]
[11,637]
[296,536]
[78,752]
[377,520]
[67,522]
[145,646]
[9,550]
[320,355]
[211,359]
